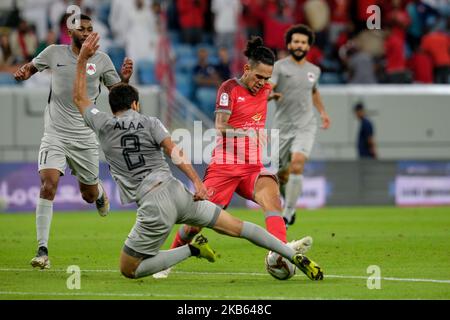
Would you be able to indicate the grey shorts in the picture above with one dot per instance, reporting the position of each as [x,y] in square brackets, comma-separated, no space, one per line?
[82,158]
[160,209]
[299,141]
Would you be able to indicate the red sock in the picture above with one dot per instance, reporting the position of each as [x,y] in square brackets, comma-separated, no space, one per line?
[189,234]
[276,226]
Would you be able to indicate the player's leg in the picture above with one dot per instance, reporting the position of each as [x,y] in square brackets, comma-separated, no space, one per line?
[83,159]
[209,215]
[51,165]
[220,191]
[294,186]
[158,211]
[266,194]
[300,149]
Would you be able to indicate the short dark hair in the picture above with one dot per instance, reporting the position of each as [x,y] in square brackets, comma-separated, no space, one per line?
[302,29]
[359,106]
[257,53]
[121,96]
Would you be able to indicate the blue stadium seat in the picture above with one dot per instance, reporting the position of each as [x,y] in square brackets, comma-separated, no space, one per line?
[206,98]
[103,13]
[331,78]
[185,64]
[117,54]
[183,50]
[146,72]
[7,79]
[184,84]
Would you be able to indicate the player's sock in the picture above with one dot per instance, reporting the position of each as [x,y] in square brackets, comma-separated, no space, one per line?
[100,190]
[275,225]
[184,235]
[293,190]
[163,260]
[262,238]
[44,214]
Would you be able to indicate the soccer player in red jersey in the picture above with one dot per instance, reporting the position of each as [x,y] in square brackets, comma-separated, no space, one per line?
[236,164]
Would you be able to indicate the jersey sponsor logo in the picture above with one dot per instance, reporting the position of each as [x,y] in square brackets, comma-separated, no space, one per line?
[240,99]
[224,99]
[61,65]
[311,77]
[257,117]
[95,110]
[91,69]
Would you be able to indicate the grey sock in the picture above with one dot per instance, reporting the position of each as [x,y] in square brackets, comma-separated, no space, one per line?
[44,214]
[293,190]
[163,260]
[262,238]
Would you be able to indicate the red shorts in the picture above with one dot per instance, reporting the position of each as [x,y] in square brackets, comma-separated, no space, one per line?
[222,182]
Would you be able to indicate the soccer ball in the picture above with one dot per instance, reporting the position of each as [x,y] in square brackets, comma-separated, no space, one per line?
[278,267]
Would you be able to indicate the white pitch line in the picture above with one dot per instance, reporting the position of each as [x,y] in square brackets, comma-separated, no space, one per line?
[232,274]
[151,295]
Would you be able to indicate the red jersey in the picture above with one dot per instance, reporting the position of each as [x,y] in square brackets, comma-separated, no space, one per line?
[247,111]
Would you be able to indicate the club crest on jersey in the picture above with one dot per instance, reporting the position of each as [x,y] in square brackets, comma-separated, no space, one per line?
[257,117]
[311,77]
[91,69]
[223,101]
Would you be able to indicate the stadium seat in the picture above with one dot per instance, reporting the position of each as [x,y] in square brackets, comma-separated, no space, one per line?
[183,50]
[146,72]
[331,78]
[184,84]
[7,79]
[103,13]
[206,98]
[185,64]
[117,54]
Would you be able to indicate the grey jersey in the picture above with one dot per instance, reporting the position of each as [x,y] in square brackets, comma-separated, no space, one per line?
[296,83]
[131,143]
[62,118]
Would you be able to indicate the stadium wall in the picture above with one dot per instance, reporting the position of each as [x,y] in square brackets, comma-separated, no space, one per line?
[411,122]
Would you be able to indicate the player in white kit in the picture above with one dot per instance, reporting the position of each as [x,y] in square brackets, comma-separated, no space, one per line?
[67,140]
[134,145]
[295,83]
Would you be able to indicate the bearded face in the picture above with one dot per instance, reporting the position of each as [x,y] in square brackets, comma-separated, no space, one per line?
[299,46]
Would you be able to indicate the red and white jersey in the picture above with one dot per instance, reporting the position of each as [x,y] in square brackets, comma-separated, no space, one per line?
[247,111]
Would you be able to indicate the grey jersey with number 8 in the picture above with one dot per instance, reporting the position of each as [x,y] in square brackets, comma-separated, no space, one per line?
[62,119]
[131,143]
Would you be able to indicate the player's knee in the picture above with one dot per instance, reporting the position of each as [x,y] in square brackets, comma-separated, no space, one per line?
[283,176]
[48,189]
[128,272]
[297,167]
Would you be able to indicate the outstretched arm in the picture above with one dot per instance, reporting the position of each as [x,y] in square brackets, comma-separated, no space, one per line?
[179,159]
[25,72]
[317,101]
[88,49]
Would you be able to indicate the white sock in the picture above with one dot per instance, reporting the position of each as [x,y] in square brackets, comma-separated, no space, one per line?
[44,214]
[100,191]
[293,190]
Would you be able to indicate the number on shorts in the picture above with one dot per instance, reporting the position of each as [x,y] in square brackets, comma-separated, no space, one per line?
[131,145]
[43,157]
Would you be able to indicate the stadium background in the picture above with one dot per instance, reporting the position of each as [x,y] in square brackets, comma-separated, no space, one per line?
[357,221]
[182,51]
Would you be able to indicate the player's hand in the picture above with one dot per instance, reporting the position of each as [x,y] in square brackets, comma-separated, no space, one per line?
[90,46]
[325,120]
[201,193]
[277,96]
[127,69]
[23,73]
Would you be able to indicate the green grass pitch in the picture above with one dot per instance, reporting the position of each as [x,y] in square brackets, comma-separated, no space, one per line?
[411,247]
